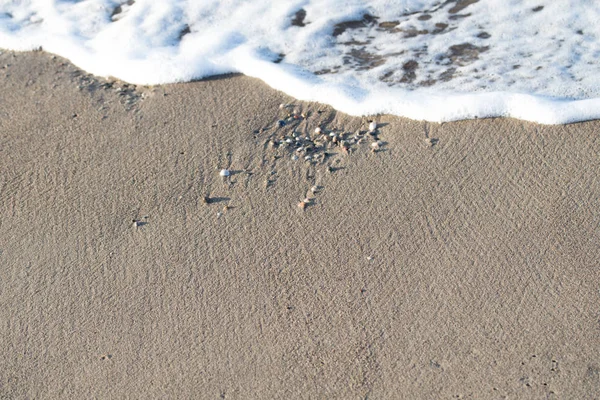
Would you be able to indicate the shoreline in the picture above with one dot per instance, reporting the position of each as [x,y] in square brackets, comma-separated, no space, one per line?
[463,268]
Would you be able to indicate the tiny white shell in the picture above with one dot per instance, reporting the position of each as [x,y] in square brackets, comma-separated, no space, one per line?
[317,130]
[224,173]
[372,126]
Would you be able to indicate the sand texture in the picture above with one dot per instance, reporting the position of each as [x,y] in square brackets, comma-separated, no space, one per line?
[461,267]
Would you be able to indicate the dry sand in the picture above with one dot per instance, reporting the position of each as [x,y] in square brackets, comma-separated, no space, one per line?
[467,269]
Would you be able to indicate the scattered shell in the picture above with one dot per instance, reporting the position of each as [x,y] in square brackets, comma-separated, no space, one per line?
[370,258]
[219,214]
[376,145]
[282,106]
[317,130]
[314,189]
[306,200]
[224,173]
[302,205]
[288,140]
[294,157]
[307,158]
[372,126]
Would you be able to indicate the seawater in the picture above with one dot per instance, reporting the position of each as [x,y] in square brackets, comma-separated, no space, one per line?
[433,60]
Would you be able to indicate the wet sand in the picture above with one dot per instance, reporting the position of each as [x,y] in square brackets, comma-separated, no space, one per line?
[463,269]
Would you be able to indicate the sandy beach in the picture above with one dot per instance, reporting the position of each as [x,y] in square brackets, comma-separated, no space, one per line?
[460,260]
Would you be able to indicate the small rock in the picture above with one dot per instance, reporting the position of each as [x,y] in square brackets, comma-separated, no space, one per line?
[372,126]
[317,130]
[224,173]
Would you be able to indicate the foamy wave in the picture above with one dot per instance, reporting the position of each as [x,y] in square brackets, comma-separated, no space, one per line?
[423,59]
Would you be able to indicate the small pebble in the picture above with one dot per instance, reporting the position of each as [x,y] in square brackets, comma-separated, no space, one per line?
[224,173]
[302,205]
[317,130]
[372,126]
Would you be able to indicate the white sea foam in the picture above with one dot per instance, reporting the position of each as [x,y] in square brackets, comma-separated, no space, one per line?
[434,60]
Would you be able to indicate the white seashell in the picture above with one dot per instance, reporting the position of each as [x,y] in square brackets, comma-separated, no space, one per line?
[225,173]
[372,126]
[317,130]
[306,158]
[288,140]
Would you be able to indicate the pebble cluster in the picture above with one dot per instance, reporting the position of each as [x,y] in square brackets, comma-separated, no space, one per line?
[315,144]
[309,137]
